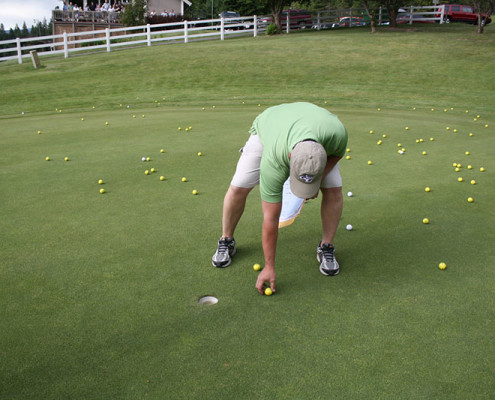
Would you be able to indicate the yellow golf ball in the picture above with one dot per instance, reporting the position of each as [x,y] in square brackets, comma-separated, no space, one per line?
[348,157]
[146,172]
[100,182]
[427,189]
[371,131]
[200,154]
[256,267]
[152,170]
[473,182]
[370,162]
[426,221]
[162,178]
[66,158]
[467,153]
[268,291]
[195,192]
[102,191]
[162,151]
[460,179]
[184,179]
[470,199]
[442,265]
[482,169]
[47,158]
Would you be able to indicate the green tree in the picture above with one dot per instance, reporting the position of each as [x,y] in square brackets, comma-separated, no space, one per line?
[24,30]
[3,34]
[392,7]
[482,7]
[245,7]
[372,9]
[134,13]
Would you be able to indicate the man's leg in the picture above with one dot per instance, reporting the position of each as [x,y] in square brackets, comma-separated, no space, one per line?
[331,211]
[233,207]
[245,178]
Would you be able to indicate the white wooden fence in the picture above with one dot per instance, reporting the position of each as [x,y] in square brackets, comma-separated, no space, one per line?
[111,38]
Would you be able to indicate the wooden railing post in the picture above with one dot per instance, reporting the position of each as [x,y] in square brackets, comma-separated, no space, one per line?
[19,51]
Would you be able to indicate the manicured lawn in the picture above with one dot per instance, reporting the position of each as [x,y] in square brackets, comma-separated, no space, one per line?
[100,291]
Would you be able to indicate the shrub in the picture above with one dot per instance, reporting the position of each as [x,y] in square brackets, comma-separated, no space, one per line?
[272,29]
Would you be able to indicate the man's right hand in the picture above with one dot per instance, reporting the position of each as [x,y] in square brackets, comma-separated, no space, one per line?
[266,278]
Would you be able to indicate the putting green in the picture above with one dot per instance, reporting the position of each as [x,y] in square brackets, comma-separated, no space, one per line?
[101,291]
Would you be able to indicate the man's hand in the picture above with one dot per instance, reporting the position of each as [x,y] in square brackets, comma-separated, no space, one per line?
[266,278]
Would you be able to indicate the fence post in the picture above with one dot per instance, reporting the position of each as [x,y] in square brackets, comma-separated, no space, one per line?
[107,37]
[255,26]
[350,17]
[441,15]
[318,21]
[148,34]
[186,36]
[19,52]
[66,46]
[380,15]
[287,28]
[411,15]
[222,28]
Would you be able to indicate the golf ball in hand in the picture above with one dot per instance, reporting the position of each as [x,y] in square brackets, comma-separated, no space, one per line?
[348,227]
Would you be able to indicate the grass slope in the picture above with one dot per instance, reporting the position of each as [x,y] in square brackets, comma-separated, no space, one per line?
[100,292]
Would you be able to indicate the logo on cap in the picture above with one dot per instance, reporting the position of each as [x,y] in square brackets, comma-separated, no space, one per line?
[306,178]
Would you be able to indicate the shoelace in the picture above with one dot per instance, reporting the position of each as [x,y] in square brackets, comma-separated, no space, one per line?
[328,253]
[223,246]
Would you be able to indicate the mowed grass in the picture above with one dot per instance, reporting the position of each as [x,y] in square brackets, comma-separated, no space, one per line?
[100,291]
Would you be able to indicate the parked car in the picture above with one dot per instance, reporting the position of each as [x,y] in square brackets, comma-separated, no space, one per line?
[352,21]
[298,19]
[240,24]
[405,18]
[461,13]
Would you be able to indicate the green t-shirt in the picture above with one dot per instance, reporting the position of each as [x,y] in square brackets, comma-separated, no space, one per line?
[280,128]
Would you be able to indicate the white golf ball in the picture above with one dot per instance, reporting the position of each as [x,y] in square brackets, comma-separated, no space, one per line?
[143,158]
[349,194]
[349,227]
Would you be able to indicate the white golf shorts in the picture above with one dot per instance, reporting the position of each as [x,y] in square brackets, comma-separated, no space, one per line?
[247,173]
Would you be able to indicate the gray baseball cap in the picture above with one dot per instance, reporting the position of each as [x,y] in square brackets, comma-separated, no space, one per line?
[307,162]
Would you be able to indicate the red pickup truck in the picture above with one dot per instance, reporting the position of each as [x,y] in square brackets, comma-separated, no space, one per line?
[460,13]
